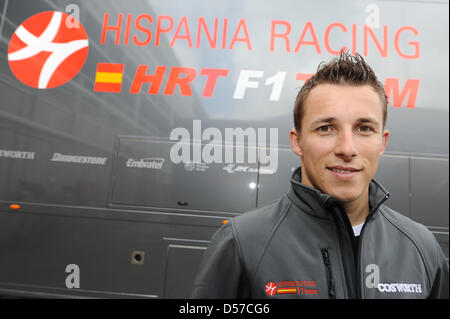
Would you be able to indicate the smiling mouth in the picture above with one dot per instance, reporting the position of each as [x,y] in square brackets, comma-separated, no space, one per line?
[344,170]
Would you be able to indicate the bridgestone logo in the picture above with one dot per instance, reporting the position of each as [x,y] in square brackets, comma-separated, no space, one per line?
[17,154]
[57,157]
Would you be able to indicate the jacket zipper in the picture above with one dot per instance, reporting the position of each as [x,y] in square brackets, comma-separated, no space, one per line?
[353,284]
[330,279]
[359,289]
[346,255]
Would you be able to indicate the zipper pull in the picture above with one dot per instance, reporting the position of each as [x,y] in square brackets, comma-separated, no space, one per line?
[330,279]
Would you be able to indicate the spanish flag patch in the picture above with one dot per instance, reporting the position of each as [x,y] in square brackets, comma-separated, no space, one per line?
[108,77]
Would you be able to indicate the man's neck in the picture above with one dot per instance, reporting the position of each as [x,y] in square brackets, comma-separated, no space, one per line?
[358,210]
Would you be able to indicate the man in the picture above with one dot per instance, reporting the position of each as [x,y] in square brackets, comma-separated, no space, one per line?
[331,236]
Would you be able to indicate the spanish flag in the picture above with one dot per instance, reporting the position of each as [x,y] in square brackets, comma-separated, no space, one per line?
[282,291]
[108,77]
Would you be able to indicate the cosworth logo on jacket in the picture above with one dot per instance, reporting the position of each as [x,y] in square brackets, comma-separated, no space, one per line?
[373,281]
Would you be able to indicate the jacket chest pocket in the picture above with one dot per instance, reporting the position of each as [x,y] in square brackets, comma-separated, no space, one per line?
[329,274]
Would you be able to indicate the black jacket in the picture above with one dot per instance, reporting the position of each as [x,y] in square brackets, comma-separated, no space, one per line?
[301,246]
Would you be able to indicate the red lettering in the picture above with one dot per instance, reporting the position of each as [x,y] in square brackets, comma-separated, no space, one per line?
[354,38]
[245,39]
[114,28]
[415,44]
[212,42]
[212,75]
[303,76]
[141,77]
[183,83]
[224,33]
[139,27]
[160,29]
[327,37]
[309,26]
[186,36]
[383,50]
[284,35]
[127,30]
[411,88]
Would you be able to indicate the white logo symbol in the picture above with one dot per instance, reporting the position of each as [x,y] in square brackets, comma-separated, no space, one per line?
[233,168]
[73,280]
[154,163]
[35,45]
[198,167]
[233,147]
[373,278]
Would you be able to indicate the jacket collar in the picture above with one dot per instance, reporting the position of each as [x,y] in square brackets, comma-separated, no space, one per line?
[317,203]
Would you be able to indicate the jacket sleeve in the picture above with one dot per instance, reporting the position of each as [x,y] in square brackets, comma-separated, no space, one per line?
[221,274]
[439,289]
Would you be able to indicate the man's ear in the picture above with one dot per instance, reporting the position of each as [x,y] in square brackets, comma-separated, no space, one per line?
[384,141]
[294,138]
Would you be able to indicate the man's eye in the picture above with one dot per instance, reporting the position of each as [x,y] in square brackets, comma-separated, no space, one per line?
[324,129]
[365,129]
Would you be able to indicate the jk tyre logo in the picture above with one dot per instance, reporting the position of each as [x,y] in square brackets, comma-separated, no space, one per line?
[45,51]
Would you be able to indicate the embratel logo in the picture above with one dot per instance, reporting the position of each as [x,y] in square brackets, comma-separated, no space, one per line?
[45,51]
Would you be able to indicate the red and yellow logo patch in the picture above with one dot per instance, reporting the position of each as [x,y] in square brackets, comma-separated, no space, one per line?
[292,287]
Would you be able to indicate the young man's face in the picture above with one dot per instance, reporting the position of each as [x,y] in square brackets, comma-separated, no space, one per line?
[341,139]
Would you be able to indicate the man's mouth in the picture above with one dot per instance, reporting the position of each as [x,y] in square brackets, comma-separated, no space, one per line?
[344,171]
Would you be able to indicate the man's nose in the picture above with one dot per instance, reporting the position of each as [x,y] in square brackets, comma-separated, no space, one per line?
[345,145]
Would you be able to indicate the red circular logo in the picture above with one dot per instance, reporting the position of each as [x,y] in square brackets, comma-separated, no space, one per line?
[271,288]
[48,49]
